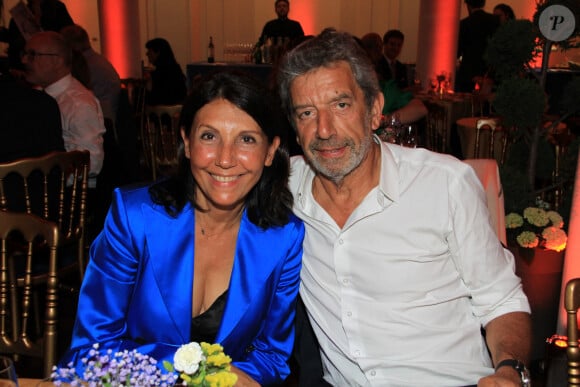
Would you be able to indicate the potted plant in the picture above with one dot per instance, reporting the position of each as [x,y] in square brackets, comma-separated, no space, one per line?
[521,102]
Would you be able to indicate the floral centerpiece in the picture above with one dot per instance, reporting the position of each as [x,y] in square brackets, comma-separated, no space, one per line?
[198,365]
[536,227]
[202,365]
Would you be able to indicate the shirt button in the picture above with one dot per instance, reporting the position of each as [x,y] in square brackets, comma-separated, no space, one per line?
[345,281]
[373,373]
[340,241]
[357,353]
[349,314]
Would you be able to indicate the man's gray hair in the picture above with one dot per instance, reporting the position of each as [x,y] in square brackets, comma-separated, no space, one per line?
[326,50]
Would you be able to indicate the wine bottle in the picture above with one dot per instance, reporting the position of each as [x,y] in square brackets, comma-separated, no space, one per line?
[210,51]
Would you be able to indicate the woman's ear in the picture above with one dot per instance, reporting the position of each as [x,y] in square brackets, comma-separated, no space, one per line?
[185,143]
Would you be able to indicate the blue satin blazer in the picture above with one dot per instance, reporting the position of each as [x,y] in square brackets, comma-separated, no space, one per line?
[137,290]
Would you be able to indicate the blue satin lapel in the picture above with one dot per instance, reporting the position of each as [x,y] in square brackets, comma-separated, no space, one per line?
[249,274]
[170,245]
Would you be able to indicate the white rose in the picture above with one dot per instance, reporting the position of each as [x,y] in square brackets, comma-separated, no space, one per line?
[188,357]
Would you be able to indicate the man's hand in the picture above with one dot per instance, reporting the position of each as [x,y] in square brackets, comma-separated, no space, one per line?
[503,377]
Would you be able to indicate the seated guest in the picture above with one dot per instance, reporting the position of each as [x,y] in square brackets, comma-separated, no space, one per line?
[167,83]
[31,124]
[48,60]
[212,254]
[404,279]
[104,80]
[397,102]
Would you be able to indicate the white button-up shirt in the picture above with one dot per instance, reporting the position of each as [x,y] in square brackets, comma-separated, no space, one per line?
[83,125]
[398,295]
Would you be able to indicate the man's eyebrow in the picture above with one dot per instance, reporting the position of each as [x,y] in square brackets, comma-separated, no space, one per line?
[336,98]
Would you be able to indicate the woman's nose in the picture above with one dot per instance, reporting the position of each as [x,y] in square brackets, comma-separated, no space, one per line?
[226,156]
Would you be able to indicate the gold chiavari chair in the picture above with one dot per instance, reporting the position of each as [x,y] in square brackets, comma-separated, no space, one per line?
[571,304]
[436,127]
[494,128]
[54,187]
[28,242]
[160,138]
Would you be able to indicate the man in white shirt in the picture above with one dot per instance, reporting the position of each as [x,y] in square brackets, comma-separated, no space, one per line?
[47,58]
[401,266]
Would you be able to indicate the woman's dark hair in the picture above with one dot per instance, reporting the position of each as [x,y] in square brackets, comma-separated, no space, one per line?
[269,203]
[163,48]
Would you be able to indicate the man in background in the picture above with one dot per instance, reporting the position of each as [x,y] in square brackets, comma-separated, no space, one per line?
[281,28]
[474,32]
[104,80]
[389,66]
[48,59]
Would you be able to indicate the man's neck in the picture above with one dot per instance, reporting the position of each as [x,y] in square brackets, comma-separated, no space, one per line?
[341,198]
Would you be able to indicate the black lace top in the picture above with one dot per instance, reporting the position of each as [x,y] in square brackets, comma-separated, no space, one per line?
[205,326]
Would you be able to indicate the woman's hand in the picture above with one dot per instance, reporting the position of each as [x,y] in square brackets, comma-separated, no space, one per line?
[244,380]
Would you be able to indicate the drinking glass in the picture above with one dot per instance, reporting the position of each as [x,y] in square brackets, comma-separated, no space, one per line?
[408,136]
[8,376]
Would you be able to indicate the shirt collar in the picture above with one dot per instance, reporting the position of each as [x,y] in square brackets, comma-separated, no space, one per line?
[389,176]
[388,181]
[59,86]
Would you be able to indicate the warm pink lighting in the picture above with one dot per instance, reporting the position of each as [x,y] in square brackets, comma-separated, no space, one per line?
[305,13]
[120,35]
[438,28]
[571,262]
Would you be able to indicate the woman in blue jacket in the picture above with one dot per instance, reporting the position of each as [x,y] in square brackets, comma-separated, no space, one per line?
[212,254]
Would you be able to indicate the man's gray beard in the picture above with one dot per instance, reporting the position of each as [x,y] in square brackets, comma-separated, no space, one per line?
[337,175]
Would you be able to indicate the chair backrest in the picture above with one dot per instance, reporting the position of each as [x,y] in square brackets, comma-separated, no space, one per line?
[571,304]
[493,126]
[54,187]
[160,138]
[436,127]
[25,242]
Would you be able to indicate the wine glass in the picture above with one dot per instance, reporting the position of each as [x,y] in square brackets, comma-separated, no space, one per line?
[8,376]
[408,136]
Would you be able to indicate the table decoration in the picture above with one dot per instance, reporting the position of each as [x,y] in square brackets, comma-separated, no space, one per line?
[194,364]
[202,365]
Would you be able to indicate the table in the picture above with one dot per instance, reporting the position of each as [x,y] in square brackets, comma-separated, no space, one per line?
[466,129]
[260,71]
[23,382]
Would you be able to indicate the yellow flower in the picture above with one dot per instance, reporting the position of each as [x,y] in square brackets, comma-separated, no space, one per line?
[210,349]
[555,218]
[221,379]
[218,360]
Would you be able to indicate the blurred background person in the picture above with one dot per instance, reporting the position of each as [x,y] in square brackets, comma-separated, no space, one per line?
[50,15]
[48,60]
[504,12]
[104,81]
[31,124]
[391,67]
[166,83]
[474,32]
[282,27]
